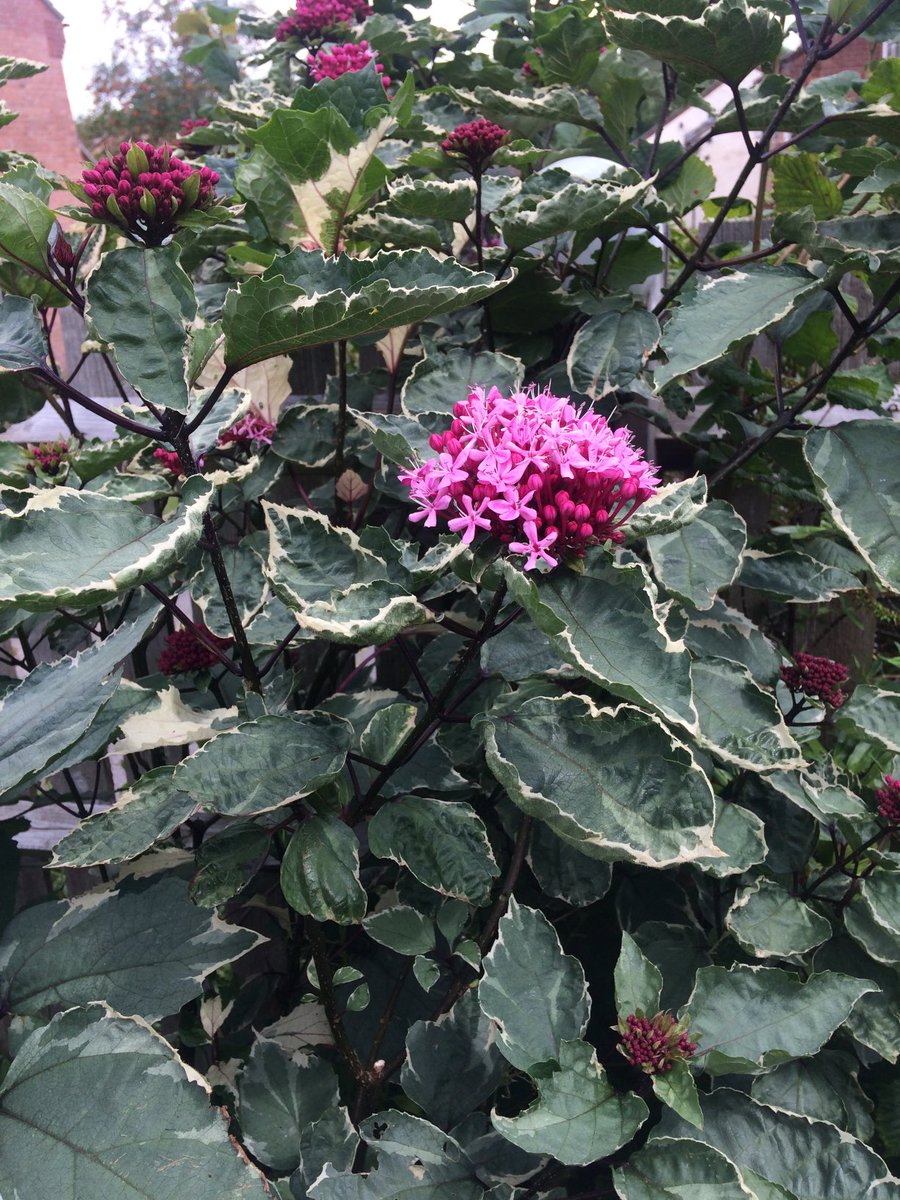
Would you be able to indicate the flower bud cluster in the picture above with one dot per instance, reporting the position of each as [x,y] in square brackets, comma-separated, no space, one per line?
[341,60]
[476,142]
[252,428]
[654,1044]
[315,17]
[169,460]
[183,651]
[819,678]
[531,470]
[49,456]
[888,798]
[144,189]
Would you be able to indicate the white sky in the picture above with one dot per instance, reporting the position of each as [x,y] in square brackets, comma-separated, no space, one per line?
[89,41]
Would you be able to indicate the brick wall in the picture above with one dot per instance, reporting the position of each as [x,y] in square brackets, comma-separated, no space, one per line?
[32,29]
[859,56]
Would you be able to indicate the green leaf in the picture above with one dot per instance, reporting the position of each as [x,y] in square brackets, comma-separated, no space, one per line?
[722,42]
[723,632]
[535,994]
[25,225]
[51,709]
[825,1087]
[873,917]
[855,470]
[263,764]
[431,199]
[444,844]
[305,299]
[702,557]
[155,1136]
[563,871]
[452,1064]
[613,782]
[331,1139]
[876,714]
[401,928]
[605,623]
[771,923]
[638,982]
[142,306]
[673,506]
[725,311]
[227,861]
[439,380]
[145,950]
[678,1091]
[148,810]
[22,342]
[738,720]
[694,183]
[669,1168]
[794,578]
[800,181]
[18,68]
[59,546]
[602,208]
[753,1018]
[320,872]
[577,1117]
[278,1098]
[334,586]
[416,1161]
[810,1160]
[612,348]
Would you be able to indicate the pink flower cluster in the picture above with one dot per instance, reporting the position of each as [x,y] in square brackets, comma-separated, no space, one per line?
[183,651]
[253,427]
[143,189]
[531,470]
[168,459]
[475,141]
[888,798]
[49,456]
[341,60]
[819,678]
[315,17]
[654,1044]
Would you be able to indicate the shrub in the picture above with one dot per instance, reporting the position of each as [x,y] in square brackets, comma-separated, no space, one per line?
[475,800]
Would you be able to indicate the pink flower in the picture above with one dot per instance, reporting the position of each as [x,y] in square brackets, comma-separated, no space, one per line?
[339,60]
[475,141]
[315,17]
[888,798]
[817,677]
[544,478]
[654,1044]
[253,427]
[169,460]
[471,520]
[144,190]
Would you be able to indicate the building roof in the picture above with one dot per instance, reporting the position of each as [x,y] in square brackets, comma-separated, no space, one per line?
[55,11]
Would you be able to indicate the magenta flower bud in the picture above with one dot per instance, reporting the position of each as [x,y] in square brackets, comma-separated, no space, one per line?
[816,677]
[654,1044]
[888,798]
[436,442]
[343,59]
[475,142]
[145,188]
